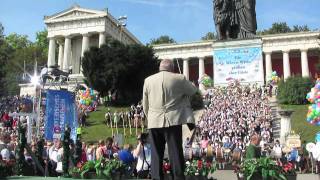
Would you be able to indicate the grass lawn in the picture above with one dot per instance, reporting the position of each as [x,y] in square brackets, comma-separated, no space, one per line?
[97,129]
[300,124]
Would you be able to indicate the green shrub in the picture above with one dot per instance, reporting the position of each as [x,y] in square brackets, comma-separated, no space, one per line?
[294,90]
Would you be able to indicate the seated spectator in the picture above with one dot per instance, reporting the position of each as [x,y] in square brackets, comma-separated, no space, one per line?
[100,153]
[125,155]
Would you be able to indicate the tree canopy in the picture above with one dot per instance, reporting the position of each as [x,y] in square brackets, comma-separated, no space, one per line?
[120,69]
[164,39]
[282,27]
[16,49]
[17,41]
[209,36]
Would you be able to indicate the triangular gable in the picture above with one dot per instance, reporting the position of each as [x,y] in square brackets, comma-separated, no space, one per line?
[74,13]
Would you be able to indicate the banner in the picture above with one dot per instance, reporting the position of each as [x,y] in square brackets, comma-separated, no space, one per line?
[244,64]
[60,112]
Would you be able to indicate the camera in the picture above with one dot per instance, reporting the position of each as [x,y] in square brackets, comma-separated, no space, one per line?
[143,137]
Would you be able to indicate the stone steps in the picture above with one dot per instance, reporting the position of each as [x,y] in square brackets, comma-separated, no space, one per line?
[275,118]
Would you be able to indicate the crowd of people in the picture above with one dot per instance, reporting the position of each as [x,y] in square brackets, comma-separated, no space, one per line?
[11,109]
[231,116]
[132,118]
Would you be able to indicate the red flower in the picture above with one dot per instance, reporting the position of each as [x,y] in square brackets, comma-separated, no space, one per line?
[166,167]
[199,164]
[79,165]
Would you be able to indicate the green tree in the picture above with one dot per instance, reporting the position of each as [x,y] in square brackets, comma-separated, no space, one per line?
[41,47]
[119,68]
[15,68]
[294,90]
[23,51]
[5,55]
[1,31]
[164,39]
[282,27]
[277,28]
[209,36]
[17,41]
[297,28]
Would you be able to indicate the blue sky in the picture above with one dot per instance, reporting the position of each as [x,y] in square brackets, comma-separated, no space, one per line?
[184,20]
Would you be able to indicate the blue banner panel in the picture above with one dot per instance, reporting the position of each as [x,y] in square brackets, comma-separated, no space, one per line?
[61,112]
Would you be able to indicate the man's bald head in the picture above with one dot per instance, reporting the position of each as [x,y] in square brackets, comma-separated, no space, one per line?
[166,65]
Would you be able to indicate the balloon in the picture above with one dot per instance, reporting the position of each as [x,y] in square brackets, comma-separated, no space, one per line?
[318,137]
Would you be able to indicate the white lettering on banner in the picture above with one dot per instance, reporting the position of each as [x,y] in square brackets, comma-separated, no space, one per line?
[62,113]
[242,63]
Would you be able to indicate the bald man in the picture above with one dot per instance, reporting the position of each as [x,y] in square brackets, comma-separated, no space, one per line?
[167,106]
[253,151]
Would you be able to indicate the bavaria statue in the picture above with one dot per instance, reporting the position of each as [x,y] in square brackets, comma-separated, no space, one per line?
[235,19]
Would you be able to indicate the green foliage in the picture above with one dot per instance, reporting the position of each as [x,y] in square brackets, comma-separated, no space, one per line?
[294,90]
[197,101]
[1,31]
[199,168]
[209,36]
[21,162]
[282,27]
[5,55]
[42,40]
[164,39]
[102,168]
[21,50]
[297,28]
[264,168]
[17,41]
[119,68]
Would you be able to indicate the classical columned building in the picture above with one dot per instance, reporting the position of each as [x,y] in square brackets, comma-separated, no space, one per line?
[72,32]
[287,54]
[75,30]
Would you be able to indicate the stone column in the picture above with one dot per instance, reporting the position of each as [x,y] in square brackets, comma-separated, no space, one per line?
[286,64]
[285,124]
[268,64]
[186,68]
[304,63]
[52,52]
[67,53]
[201,67]
[60,58]
[85,43]
[85,47]
[102,38]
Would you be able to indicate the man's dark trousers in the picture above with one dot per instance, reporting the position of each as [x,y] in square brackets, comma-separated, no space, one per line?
[158,138]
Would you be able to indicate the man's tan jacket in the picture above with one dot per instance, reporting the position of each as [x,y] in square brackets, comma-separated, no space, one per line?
[166,100]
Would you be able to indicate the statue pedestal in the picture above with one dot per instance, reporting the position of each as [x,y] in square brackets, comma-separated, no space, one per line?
[285,124]
[240,60]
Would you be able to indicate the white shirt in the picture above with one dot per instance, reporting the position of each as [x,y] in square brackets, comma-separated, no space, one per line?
[55,154]
[43,71]
[140,163]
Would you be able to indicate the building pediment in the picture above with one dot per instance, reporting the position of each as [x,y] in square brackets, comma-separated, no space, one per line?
[74,13]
